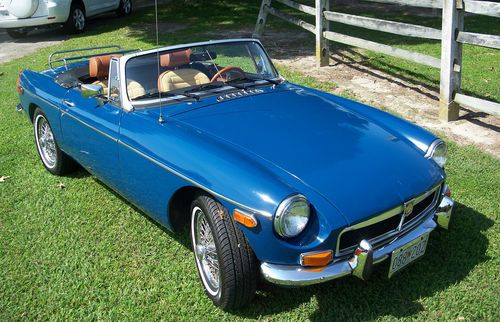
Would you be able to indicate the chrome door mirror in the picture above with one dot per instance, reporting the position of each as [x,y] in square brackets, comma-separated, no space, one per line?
[91,90]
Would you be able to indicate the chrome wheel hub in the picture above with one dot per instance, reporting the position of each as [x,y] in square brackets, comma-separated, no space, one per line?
[127,6]
[207,259]
[79,19]
[46,142]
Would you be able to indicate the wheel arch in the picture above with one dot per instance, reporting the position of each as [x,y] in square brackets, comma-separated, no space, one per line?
[31,110]
[179,206]
[81,2]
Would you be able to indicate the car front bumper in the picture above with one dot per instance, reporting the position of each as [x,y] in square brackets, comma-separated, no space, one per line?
[359,265]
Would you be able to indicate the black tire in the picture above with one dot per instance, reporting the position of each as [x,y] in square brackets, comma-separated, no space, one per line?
[238,266]
[125,8]
[77,20]
[59,163]
[17,33]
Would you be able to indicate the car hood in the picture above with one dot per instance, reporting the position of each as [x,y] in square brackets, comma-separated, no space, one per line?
[356,164]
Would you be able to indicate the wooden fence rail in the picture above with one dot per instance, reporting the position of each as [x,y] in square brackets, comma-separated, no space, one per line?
[452,36]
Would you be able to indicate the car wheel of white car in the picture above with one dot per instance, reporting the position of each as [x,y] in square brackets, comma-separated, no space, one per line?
[77,21]
[54,160]
[125,8]
[225,261]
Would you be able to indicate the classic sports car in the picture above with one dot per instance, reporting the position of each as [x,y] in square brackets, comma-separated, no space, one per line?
[274,178]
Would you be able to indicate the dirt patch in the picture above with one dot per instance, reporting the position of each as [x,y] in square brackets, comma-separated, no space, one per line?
[415,102]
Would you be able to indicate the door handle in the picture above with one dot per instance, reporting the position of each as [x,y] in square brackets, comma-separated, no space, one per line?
[69,103]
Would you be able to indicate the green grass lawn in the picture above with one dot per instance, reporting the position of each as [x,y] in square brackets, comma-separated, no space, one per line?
[84,253]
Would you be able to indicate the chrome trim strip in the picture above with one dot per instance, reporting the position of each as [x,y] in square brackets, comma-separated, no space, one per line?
[385,215]
[256,211]
[263,213]
[89,126]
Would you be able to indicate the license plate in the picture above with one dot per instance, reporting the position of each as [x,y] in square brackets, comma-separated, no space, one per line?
[408,253]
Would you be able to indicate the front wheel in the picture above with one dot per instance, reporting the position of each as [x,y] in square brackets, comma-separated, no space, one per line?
[125,8]
[226,264]
[53,158]
[77,21]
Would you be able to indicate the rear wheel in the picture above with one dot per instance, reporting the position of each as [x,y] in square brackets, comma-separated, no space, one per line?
[125,8]
[17,33]
[226,264]
[53,158]
[77,21]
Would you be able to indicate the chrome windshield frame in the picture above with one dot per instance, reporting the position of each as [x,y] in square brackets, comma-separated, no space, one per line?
[126,102]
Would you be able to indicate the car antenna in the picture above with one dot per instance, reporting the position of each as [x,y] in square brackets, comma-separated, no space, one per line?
[160,118]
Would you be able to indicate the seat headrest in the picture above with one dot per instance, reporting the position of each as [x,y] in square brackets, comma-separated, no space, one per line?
[99,66]
[176,58]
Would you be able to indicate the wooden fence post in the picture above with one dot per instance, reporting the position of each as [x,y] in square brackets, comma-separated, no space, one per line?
[451,59]
[261,19]
[322,48]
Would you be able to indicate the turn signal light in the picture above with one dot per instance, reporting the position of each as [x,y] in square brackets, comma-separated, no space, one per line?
[317,258]
[247,220]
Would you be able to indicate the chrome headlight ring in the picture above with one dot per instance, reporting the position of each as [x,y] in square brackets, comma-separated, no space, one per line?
[438,151]
[292,216]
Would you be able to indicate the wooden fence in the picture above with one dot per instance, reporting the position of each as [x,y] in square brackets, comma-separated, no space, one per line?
[452,36]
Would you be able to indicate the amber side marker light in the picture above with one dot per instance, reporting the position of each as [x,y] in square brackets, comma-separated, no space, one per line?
[246,219]
[317,258]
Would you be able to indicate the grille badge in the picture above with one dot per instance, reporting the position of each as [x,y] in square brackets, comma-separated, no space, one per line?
[408,208]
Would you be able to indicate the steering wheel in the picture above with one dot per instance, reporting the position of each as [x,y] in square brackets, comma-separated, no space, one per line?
[227,70]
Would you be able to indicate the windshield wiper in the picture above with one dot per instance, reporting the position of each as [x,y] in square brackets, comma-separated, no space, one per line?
[166,94]
[270,80]
[203,87]
[241,86]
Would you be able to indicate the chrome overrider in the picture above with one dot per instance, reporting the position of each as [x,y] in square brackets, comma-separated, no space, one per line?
[364,257]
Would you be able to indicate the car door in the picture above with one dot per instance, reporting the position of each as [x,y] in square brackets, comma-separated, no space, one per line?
[91,132]
[95,7]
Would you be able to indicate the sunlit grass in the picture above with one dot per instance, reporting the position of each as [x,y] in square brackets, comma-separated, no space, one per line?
[84,253]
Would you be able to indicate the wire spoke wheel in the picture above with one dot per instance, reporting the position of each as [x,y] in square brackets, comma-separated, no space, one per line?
[45,142]
[226,264]
[53,158]
[207,259]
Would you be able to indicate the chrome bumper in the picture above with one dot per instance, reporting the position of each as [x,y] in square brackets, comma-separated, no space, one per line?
[360,264]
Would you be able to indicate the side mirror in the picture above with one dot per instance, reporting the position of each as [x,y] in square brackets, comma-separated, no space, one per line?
[90,90]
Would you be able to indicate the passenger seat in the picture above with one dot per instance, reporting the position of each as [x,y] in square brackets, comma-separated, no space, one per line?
[179,77]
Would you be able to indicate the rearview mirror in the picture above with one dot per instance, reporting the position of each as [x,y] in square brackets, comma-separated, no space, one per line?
[90,90]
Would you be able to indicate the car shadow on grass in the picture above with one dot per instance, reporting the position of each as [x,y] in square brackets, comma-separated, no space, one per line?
[449,258]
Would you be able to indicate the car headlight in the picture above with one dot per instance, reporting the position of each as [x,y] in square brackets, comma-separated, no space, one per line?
[292,216]
[438,151]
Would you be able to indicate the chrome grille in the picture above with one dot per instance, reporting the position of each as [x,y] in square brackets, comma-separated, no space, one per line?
[385,227]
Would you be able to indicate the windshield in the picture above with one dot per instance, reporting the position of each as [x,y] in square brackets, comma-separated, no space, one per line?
[182,72]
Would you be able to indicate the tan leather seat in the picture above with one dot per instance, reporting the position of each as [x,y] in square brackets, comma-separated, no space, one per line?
[99,68]
[180,77]
[135,89]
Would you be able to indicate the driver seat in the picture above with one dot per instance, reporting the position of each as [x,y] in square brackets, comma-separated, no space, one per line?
[99,68]
[179,78]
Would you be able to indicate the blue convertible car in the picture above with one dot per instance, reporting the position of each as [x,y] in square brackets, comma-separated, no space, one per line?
[274,179]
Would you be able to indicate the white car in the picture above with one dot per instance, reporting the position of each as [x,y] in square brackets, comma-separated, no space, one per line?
[19,16]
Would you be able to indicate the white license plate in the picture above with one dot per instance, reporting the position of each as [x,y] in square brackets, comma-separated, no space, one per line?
[408,253]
